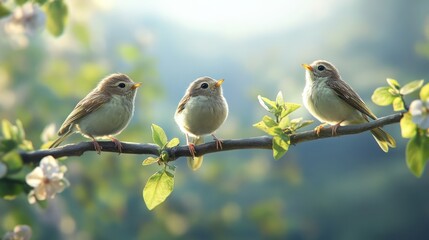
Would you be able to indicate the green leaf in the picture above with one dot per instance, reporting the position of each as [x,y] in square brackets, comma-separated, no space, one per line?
[7,145]
[56,16]
[7,129]
[266,103]
[280,146]
[417,154]
[13,162]
[279,99]
[173,142]
[20,135]
[158,135]
[393,83]
[9,190]
[4,11]
[298,123]
[149,161]
[398,104]
[284,123]
[289,108]
[266,123]
[158,188]
[411,87]
[382,96]
[424,92]
[408,127]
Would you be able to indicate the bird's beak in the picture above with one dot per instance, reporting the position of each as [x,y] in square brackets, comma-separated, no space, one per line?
[135,86]
[218,83]
[308,67]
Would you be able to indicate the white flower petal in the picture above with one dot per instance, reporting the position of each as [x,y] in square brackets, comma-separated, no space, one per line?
[49,166]
[40,192]
[22,232]
[35,177]
[31,197]
[416,107]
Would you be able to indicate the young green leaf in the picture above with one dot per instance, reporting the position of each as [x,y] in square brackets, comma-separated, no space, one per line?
[279,99]
[424,92]
[280,147]
[408,127]
[267,104]
[158,135]
[417,153]
[173,142]
[411,87]
[266,123]
[289,108]
[393,83]
[13,161]
[149,161]
[284,123]
[158,188]
[7,129]
[382,96]
[56,15]
[398,104]
[20,135]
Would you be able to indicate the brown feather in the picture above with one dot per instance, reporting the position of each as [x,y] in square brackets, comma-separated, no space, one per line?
[89,104]
[346,93]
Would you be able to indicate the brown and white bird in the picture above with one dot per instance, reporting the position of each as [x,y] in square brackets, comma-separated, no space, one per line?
[331,100]
[104,112]
[201,111]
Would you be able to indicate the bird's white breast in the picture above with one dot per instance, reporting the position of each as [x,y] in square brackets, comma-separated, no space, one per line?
[202,115]
[110,119]
[325,105]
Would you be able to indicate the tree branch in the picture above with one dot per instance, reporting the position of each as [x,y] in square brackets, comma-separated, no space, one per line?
[262,142]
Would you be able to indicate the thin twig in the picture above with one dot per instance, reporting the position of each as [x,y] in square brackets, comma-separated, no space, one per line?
[262,142]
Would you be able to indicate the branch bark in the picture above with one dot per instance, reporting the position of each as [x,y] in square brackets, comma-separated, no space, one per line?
[262,142]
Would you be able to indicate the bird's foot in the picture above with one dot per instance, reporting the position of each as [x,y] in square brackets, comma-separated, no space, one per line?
[96,146]
[191,147]
[117,143]
[218,142]
[319,128]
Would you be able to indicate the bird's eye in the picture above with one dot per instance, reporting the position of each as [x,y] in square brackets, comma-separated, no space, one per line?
[320,67]
[121,85]
[204,85]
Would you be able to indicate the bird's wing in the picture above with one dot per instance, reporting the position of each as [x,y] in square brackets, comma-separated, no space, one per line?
[182,103]
[345,92]
[89,104]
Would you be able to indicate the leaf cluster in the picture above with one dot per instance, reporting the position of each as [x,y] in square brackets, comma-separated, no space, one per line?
[417,150]
[280,126]
[12,142]
[160,185]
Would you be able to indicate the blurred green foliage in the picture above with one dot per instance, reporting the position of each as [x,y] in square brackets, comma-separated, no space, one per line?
[321,190]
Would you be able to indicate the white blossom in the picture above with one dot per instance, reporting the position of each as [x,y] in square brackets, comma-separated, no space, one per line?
[419,111]
[47,180]
[20,232]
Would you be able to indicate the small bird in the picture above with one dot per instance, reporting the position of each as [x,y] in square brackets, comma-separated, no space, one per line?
[201,111]
[332,101]
[104,112]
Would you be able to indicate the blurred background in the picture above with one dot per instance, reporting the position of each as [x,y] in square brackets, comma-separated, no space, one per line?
[338,188]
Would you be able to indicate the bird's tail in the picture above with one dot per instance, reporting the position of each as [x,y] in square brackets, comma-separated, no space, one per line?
[195,162]
[60,139]
[383,139]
